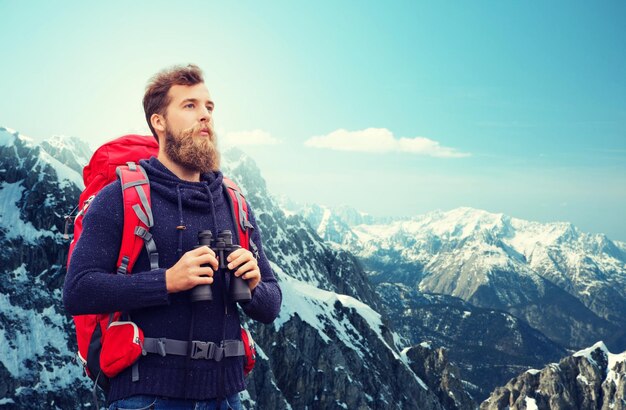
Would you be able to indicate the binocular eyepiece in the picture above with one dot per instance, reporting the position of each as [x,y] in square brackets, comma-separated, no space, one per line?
[238,289]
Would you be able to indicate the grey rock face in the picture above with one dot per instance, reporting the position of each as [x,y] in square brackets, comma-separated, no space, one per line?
[590,379]
[489,346]
[314,373]
[433,366]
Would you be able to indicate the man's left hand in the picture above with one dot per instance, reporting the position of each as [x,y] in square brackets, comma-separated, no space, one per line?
[248,267]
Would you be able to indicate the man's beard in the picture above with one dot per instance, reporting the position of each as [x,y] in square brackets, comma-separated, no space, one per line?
[193,153]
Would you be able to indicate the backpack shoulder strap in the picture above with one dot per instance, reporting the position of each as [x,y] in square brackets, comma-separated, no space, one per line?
[239,211]
[138,218]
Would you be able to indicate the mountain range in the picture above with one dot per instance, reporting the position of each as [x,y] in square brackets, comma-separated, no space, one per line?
[568,284]
[432,312]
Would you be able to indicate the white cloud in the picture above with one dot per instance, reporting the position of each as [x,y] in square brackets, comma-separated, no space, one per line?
[381,140]
[254,137]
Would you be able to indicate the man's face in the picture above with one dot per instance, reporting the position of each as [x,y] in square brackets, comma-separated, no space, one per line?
[189,135]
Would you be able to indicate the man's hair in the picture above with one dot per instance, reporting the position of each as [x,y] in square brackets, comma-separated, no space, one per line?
[156,98]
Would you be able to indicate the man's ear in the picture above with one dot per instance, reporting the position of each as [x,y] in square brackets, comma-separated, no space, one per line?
[158,122]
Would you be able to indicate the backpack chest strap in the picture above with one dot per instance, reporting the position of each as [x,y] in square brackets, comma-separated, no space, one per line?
[196,350]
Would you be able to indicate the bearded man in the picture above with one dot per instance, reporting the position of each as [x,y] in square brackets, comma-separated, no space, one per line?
[187,197]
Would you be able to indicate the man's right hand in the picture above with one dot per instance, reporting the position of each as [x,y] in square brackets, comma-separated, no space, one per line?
[187,272]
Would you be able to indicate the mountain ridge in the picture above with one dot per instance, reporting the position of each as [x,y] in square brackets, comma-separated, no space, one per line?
[591,378]
[483,257]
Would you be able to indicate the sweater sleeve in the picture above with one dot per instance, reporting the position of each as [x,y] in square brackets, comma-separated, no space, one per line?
[267,296]
[91,284]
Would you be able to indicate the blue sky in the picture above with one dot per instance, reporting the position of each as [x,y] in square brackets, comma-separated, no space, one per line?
[513,107]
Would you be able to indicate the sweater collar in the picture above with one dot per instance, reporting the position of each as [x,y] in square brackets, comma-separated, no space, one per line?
[192,194]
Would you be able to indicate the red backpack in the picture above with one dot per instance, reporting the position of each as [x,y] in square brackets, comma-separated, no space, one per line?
[118,159]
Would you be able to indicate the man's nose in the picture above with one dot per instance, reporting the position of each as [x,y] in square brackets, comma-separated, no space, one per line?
[205,114]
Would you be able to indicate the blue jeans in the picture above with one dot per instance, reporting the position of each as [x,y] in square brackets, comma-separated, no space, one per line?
[162,403]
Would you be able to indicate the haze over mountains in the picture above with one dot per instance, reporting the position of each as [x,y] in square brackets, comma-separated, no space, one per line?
[368,304]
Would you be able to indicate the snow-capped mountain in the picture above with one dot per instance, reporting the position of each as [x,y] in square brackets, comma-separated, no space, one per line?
[329,348]
[37,362]
[71,151]
[568,284]
[592,378]
[333,224]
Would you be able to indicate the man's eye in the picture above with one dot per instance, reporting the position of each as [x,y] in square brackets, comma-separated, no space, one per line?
[209,108]
[190,105]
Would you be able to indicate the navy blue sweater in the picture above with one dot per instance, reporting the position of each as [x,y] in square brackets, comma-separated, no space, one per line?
[92,287]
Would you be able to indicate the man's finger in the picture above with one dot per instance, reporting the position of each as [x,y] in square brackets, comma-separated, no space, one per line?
[208,258]
[252,274]
[244,256]
[202,280]
[202,250]
[203,271]
[235,254]
[245,268]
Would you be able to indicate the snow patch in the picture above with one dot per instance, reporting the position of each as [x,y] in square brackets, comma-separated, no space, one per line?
[45,332]
[531,404]
[245,397]
[65,174]
[316,307]
[260,352]
[7,137]
[321,229]
[10,219]
[612,360]
[586,353]
[582,379]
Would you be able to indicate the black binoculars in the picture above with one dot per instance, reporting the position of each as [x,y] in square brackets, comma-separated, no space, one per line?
[238,289]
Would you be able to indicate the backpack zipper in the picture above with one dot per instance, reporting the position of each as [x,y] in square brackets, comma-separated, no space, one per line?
[136,339]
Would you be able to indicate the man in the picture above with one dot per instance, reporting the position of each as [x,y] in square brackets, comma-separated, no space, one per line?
[187,197]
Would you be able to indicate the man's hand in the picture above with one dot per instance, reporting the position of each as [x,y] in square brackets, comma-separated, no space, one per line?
[187,272]
[248,267]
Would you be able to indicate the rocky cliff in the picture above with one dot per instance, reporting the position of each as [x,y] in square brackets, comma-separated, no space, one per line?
[592,378]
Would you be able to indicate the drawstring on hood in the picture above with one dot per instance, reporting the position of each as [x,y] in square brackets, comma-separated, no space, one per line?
[181,224]
[212,208]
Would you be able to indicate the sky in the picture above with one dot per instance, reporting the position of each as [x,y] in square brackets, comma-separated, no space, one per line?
[395,108]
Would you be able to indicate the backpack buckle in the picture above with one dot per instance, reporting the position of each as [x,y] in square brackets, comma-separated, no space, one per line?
[202,350]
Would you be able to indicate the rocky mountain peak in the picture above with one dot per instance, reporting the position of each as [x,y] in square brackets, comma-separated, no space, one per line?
[592,378]
[71,151]
[433,366]
[241,168]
